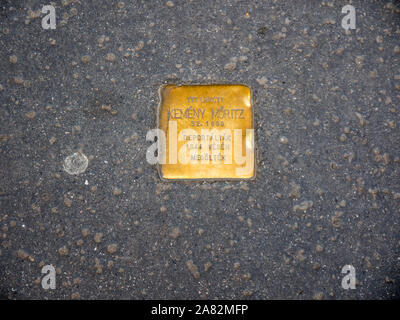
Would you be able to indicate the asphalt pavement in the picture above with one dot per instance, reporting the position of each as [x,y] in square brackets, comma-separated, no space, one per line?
[327,118]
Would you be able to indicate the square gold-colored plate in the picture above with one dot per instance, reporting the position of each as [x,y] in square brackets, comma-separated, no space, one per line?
[209,132]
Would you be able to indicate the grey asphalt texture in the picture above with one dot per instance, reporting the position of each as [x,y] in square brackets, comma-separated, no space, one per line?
[327,192]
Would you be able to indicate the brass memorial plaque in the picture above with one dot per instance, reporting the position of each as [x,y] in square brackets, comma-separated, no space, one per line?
[208,132]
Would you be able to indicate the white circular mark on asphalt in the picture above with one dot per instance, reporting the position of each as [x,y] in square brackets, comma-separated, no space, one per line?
[76,163]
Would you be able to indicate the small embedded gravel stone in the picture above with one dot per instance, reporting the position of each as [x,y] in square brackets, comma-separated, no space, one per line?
[110,57]
[175,233]
[76,163]
[13,59]
[85,59]
[112,248]
[193,269]
[63,251]
[98,237]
